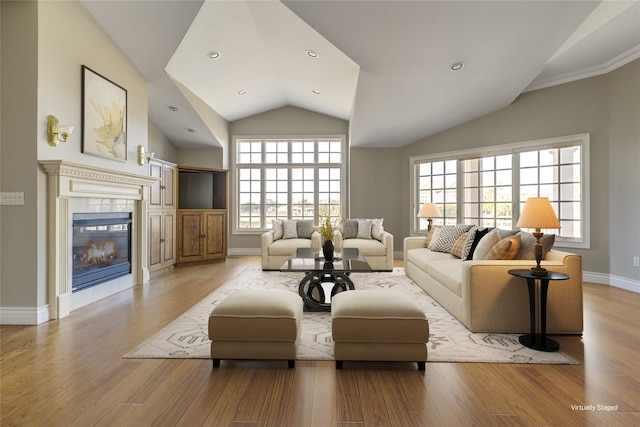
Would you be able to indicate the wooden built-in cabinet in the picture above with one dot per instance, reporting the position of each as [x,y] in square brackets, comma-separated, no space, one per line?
[202,215]
[162,214]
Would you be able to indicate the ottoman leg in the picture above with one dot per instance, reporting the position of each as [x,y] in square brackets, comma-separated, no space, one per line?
[421,366]
[339,364]
[292,364]
[216,363]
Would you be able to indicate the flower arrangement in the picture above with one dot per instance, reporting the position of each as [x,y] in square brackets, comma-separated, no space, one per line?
[327,225]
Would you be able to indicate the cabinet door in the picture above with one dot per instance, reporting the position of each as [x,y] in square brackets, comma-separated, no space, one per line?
[215,231]
[168,192]
[168,242]
[155,239]
[155,196]
[190,236]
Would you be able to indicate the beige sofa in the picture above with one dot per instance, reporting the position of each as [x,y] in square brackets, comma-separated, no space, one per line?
[484,297]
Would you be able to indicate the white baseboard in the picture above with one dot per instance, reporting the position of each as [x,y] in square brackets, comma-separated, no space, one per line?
[243,251]
[24,315]
[624,283]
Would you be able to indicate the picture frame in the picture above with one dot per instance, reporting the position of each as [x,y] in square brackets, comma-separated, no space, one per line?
[104,116]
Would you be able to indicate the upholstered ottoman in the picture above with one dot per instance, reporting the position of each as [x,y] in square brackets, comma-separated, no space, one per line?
[378,325]
[256,324]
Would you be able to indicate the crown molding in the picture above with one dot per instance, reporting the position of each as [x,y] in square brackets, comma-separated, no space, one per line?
[611,65]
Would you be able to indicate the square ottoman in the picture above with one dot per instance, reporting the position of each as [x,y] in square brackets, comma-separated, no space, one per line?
[378,325]
[256,324]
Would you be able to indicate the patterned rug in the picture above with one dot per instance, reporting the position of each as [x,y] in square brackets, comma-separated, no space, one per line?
[450,341]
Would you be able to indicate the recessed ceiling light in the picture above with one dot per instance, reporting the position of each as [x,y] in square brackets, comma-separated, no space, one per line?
[316,91]
[242,92]
[312,53]
[191,130]
[457,66]
[172,108]
[213,55]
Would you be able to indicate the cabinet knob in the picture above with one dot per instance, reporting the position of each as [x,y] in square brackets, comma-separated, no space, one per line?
[162,240]
[163,187]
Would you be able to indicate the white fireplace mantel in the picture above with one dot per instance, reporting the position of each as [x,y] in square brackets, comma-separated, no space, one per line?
[67,180]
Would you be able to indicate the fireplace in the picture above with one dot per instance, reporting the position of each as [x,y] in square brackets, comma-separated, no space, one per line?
[101,249]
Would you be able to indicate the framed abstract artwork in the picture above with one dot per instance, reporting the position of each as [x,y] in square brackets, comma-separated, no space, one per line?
[104,116]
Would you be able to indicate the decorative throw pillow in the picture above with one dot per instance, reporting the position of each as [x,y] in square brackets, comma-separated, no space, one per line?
[350,229]
[304,228]
[458,245]
[528,243]
[364,229]
[505,249]
[430,235]
[485,244]
[276,226]
[290,229]
[479,234]
[376,228]
[447,237]
[466,247]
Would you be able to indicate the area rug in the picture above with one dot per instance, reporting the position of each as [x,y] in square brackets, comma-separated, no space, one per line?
[449,341]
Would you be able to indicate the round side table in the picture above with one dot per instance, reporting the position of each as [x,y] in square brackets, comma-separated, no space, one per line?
[538,341]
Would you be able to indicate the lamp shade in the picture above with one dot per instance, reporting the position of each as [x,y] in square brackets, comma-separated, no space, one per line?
[429,210]
[538,213]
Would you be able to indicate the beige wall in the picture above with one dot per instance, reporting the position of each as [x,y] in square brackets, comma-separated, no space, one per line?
[284,121]
[44,45]
[624,158]
[161,147]
[22,282]
[377,188]
[202,157]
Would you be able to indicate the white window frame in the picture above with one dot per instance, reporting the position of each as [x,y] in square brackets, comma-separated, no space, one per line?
[234,181]
[514,148]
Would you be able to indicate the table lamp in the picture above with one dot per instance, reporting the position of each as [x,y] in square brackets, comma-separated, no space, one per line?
[429,211]
[538,213]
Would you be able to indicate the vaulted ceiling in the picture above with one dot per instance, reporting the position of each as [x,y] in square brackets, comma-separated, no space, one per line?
[384,66]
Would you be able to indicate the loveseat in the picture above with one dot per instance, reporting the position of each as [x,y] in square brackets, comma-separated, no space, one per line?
[484,297]
[277,246]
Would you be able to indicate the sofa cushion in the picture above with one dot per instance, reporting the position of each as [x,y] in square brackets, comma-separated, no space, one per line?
[485,244]
[448,272]
[505,249]
[364,229]
[290,229]
[423,256]
[376,228]
[286,247]
[278,231]
[459,245]
[528,243]
[350,229]
[479,234]
[447,237]
[430,235]
[304,228]
[369,247]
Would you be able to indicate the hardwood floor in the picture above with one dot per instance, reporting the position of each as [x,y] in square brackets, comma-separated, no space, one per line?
[71,373]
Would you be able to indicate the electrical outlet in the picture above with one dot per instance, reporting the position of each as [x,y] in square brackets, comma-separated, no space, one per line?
[12,198]
[636,261]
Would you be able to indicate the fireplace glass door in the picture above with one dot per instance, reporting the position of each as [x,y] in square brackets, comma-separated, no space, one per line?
[101,248]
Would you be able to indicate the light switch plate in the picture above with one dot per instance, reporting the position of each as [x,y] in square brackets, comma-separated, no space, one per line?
[12,198]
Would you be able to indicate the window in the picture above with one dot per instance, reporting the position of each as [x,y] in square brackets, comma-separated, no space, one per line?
[287,178]
[491,189]
[437,183]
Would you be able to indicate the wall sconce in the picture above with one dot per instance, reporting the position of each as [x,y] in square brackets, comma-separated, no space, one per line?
[144,157]
[56,132]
